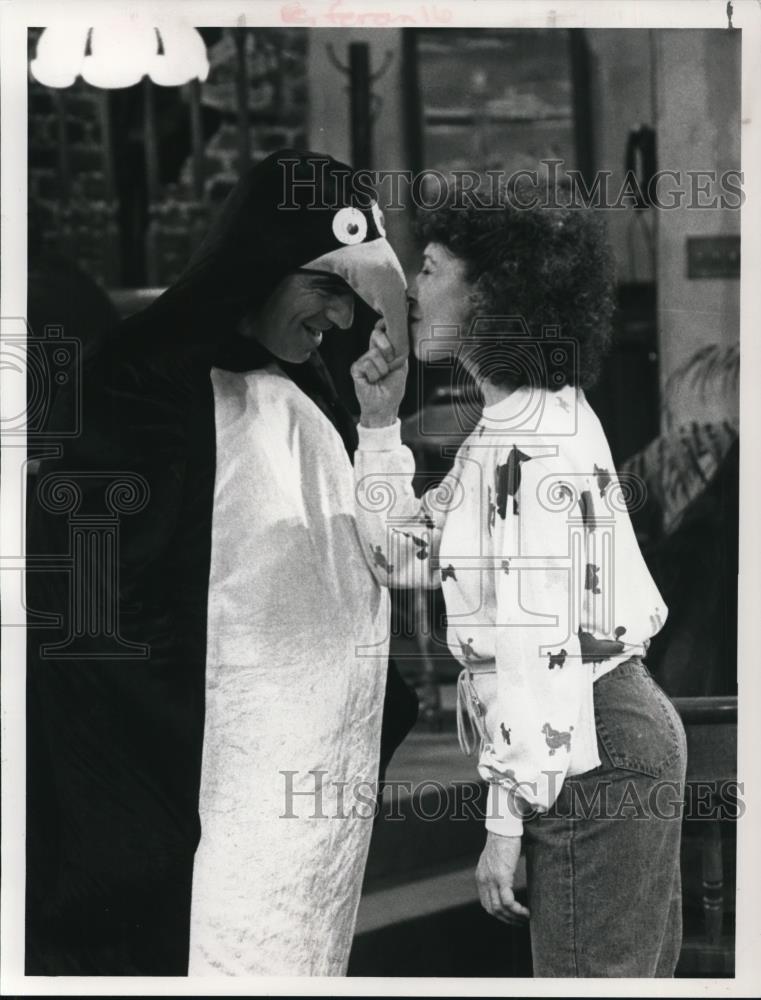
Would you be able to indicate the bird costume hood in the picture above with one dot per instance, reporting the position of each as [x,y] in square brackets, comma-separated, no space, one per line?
[292,211]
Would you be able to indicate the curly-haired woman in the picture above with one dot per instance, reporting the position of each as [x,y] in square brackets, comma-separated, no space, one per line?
[550,606]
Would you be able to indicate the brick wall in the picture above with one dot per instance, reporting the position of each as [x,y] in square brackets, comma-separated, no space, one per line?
[84,226]
[277,104]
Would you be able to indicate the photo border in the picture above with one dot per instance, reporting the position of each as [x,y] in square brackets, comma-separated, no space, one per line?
[15,17]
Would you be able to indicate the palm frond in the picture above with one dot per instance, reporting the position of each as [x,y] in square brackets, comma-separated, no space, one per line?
[713,371]
[676,467]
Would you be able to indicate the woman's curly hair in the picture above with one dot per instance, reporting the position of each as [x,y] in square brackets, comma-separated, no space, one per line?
[549,265]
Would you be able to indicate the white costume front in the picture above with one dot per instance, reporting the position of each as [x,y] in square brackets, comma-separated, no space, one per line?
[296,667]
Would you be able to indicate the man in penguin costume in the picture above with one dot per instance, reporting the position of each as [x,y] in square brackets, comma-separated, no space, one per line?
[196,705]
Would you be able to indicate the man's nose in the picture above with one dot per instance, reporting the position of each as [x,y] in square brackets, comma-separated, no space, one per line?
[340,312]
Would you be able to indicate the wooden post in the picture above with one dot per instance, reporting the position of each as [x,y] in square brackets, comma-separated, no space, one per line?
[413,105]
[196,137]
[359,105]
[150,140]
[108,145]
[113,264]
[241,87]
[582,100]
[713,882]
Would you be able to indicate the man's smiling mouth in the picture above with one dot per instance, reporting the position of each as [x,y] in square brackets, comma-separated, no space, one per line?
[315,333]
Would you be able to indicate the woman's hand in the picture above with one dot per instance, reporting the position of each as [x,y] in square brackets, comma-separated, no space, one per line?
[495,877]
[379,380]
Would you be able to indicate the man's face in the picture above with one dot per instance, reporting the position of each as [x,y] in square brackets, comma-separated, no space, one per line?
[292,321]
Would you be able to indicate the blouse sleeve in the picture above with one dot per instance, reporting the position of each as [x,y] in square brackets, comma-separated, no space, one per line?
[541,721]
[400,532]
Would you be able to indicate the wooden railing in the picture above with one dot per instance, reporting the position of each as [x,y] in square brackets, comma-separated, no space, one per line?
[711,727]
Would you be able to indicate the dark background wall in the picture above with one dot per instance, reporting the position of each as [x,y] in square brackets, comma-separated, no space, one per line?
[88,197]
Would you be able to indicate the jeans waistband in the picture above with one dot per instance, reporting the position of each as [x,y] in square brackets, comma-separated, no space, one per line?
[629,668]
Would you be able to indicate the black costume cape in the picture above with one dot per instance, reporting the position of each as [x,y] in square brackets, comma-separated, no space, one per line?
[114,736]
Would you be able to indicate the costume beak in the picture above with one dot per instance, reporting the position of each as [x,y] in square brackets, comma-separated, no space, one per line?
[372,270]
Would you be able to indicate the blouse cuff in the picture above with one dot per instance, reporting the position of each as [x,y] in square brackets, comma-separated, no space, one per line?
[380,438]
[501,814]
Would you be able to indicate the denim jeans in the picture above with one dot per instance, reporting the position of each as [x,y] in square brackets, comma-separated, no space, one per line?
[603,865]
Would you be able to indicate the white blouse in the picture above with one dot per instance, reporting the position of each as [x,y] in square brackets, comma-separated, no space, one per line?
[545,586]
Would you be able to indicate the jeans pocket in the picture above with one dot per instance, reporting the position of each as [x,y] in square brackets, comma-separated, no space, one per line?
[637,725]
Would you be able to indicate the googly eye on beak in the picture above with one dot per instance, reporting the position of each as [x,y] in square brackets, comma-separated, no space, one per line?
[349,226]
[380,222]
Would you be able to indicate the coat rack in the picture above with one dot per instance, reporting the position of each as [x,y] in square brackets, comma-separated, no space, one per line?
[363,104]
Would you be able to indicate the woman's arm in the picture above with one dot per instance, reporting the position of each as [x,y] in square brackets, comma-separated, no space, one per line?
[400,532]
[541,722]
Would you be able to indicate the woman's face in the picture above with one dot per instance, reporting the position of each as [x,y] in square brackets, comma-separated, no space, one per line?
[439,300]
[302,307]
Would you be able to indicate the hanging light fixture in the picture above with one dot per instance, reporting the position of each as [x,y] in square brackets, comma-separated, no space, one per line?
[116,51]
[119,52]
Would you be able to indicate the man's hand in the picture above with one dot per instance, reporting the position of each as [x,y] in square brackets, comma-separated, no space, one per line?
[379,380]
[495,876]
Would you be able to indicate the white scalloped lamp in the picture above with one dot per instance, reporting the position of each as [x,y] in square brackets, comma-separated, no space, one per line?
[119,53]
